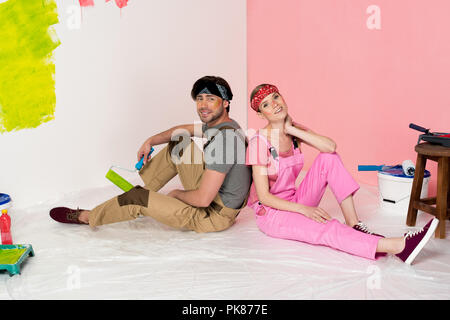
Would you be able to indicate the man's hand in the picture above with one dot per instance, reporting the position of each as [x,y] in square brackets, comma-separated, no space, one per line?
[144,150]
[174,193]
[206,192]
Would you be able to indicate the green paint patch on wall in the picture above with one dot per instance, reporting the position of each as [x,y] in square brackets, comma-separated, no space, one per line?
[27,71]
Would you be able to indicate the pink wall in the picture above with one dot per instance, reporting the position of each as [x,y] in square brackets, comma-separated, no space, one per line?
[358,86]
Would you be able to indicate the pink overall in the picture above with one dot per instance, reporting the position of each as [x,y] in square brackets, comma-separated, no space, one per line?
[327,169]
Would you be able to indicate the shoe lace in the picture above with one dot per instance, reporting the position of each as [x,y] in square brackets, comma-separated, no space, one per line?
[413,233]
[74,215]
[363,227]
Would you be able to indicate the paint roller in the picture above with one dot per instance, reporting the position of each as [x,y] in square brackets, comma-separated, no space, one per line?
[407,167]
[118,180]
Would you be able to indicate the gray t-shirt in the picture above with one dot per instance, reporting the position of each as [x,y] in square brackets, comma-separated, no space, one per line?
[226,154]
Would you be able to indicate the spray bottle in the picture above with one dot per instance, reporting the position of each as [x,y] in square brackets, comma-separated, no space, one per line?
[5,219]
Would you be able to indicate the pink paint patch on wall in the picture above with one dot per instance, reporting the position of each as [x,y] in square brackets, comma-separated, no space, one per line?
[120,3]
[90,3]
[86,3]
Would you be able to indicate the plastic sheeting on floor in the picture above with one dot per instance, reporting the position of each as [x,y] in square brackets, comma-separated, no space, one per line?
[143,259]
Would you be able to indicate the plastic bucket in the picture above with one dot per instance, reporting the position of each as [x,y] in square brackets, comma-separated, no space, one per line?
[395,191]
[5,202]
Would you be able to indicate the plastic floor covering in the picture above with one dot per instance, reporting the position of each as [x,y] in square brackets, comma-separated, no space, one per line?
[143,259]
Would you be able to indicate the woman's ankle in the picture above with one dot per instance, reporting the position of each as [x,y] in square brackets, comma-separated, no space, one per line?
[391,245]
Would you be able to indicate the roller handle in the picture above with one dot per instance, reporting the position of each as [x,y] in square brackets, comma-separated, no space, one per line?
[139,165]
[419,128]
[370,168]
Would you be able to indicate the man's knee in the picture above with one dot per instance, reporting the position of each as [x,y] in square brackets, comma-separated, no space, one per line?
[178,147]
[185,151]
[136,196]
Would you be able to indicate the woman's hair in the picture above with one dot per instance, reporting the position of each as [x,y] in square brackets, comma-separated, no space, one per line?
[256,90]
[208,80]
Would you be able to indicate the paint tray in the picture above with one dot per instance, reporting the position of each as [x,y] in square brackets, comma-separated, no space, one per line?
[12,256]
[442,138]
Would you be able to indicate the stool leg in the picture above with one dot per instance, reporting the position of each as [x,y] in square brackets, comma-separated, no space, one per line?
[416,189]
[448,190]
[441,199]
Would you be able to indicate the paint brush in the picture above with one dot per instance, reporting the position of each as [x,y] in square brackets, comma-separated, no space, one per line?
[118,180]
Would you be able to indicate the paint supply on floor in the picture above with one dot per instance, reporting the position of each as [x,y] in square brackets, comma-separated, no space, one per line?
[5,219]
[394,188]
[373,167]
[12,256]
[407,167]
[118,180]
[395,183]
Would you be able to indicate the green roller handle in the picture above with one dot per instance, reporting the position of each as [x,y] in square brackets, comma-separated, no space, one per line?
[118,181]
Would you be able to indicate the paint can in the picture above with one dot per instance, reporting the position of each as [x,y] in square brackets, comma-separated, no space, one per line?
[394,188]
[5,201]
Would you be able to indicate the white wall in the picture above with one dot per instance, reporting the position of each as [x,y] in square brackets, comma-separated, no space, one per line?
[123,76]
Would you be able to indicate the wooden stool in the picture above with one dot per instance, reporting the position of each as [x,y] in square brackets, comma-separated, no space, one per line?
[441,155]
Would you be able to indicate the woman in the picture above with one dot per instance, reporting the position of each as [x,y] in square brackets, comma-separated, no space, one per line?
[289,212]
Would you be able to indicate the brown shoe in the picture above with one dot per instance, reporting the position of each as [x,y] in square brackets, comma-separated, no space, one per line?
[66,215]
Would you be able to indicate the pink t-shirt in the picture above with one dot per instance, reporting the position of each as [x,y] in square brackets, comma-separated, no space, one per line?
[258,154]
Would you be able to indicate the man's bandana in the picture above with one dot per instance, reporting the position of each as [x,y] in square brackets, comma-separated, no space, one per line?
[261,94]
[215,89]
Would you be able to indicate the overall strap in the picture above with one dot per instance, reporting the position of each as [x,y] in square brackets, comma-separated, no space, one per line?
[271,148]
[220,130]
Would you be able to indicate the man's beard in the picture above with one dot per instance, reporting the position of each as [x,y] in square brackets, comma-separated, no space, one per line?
[217,115]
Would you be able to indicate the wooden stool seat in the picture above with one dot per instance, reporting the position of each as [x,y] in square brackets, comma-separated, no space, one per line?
[441,210]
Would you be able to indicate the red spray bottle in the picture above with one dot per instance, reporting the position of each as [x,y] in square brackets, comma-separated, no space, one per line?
[5,227]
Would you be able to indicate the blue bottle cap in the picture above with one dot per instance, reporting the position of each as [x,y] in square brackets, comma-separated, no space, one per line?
[4,198]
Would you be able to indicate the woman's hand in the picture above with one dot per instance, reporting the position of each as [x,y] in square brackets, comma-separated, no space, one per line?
[144,150]
[321,143]
[315,213]
[288,123]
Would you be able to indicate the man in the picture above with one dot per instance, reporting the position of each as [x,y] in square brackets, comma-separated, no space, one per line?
[216,183]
